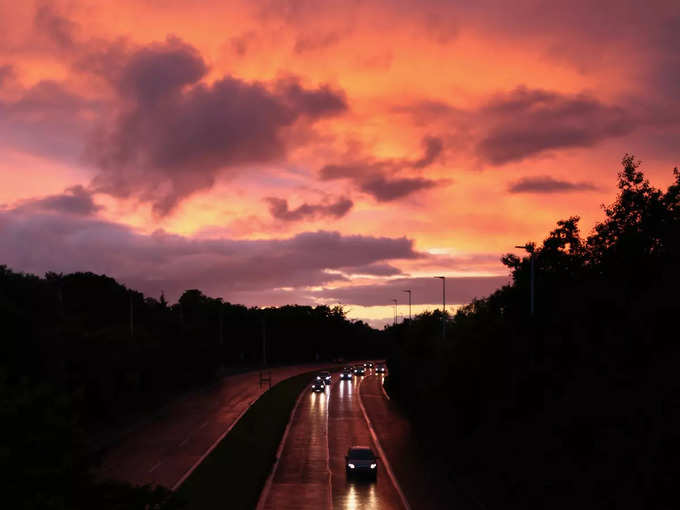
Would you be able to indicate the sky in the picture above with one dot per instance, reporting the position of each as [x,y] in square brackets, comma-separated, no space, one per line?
[322,152]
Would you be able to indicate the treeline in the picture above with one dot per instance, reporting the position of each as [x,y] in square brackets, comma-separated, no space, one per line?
[577,406]
[80,352]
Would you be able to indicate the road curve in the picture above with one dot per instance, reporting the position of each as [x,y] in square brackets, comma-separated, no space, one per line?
[311,469]
[162,450]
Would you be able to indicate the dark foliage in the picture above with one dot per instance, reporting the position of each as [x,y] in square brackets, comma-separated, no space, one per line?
[576,407]
[82,355]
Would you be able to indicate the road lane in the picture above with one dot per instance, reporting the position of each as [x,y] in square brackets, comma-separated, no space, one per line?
[347,427]
[322,428]
[302,477]
[164,449]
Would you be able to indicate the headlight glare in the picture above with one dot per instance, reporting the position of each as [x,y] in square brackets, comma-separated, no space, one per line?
[373,466]
[351,466]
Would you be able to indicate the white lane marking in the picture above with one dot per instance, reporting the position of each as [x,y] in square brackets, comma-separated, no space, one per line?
[268,484]
[381,452]
[328,449]
[203,425]
[212,447]
[185,440]
[155,467]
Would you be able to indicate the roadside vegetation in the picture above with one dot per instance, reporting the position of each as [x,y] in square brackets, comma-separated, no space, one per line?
[82,356]
[577,406]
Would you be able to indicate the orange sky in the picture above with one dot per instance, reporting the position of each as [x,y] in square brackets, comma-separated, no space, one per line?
[192,119]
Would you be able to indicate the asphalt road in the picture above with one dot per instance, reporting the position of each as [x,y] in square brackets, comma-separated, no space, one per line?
[164,449]
[311,469]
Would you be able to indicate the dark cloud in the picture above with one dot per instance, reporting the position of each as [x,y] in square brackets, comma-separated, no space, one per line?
[154,72]
[55,26]
[278,207]
[239,270]
[424,291]
[373,270]
[546,184]
[175,134]
[75,200]
[433,149]
[526,122]
[380,179]
[385,190]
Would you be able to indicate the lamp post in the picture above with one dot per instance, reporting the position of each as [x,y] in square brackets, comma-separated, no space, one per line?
[409,303]
[530,249]
[443,279]
[395,311]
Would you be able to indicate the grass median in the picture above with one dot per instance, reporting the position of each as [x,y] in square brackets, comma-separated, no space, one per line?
[234,473]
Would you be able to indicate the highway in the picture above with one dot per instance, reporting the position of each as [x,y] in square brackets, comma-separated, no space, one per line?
[311,469]
[163,450]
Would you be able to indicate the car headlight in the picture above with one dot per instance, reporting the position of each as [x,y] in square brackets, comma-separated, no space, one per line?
[351,466]
[373,466]
[318,377]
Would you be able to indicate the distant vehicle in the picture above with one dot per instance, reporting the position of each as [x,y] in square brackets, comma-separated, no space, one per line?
[368,364]
[346,375]
[361,461]
[359,370]
[318,387]
[324,376]
[380,369]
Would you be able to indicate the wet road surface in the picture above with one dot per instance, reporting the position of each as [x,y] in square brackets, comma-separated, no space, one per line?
[311,470]
[164,449]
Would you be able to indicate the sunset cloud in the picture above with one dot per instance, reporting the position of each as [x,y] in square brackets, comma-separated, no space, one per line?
[174,135]
[546,184]
[281,143]
[278,207]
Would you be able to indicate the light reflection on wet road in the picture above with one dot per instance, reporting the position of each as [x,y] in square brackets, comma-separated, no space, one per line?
[322,429]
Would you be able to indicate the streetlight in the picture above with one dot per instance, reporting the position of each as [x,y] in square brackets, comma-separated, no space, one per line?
[443,279]
[530,249]
[409,303]
[395,311]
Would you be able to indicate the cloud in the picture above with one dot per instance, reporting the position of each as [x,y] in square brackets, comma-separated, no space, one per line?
[57,27]
[546,184]
[75,200]
[247,271]
[526,122]
[278,207]
[314,42]
[174,134]
[6,74]
[380,179]
[386,190]
[459,290]
[48,119]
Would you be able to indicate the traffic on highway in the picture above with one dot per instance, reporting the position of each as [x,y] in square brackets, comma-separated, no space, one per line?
[330,457]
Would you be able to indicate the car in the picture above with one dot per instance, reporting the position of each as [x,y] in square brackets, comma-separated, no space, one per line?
[361,461]
[380,369]
[324,376]
[368,364]
[346,375]
[318,387]
[359,370]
